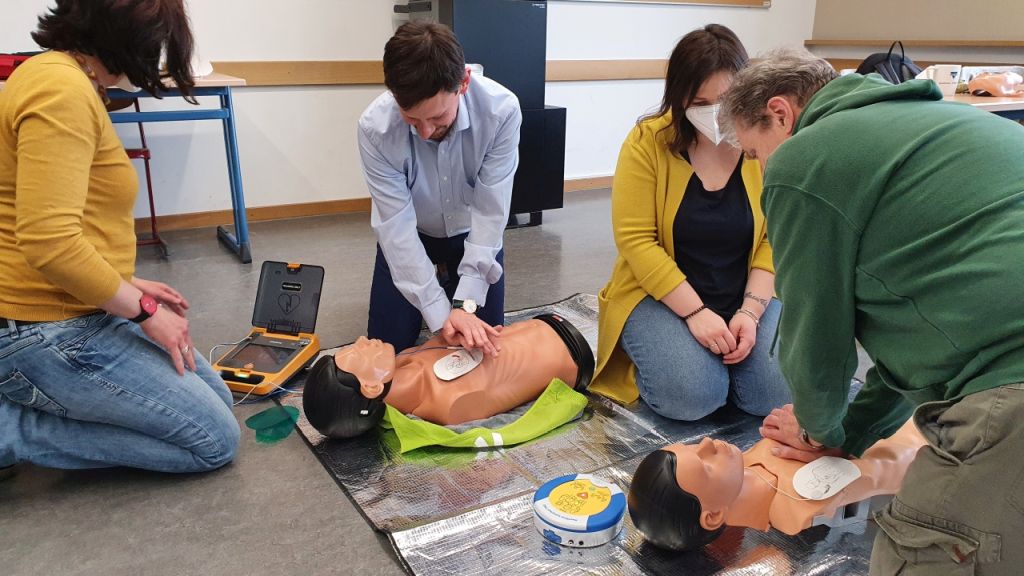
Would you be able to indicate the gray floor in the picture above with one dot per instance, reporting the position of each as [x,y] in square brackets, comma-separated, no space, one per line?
[275,510]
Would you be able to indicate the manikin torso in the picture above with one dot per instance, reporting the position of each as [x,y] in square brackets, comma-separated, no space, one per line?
[882,468]
[532,354]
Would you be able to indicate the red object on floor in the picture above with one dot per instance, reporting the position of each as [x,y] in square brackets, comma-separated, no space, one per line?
[8,62]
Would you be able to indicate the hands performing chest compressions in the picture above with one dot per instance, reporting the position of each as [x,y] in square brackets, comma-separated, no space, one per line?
[439,153]
[345,394]
[682,496]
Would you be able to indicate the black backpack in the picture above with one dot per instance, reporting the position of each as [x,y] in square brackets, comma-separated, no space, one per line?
[896,68]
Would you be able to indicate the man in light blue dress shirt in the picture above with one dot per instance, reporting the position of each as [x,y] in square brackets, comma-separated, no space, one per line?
[440,151]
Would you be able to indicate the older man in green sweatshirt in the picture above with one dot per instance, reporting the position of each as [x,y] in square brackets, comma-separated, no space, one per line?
[897,220]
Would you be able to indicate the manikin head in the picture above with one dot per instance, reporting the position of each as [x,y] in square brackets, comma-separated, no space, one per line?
[992,84]
[680,495]
[344,395]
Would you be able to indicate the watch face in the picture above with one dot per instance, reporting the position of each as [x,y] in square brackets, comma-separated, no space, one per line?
[469,306]
[148,304]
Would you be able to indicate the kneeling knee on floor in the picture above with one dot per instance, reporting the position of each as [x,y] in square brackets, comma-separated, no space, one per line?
[690,412]
[221,445]
[687,404]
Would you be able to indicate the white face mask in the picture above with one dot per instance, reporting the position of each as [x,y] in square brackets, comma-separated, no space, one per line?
[125,84]
[705,120]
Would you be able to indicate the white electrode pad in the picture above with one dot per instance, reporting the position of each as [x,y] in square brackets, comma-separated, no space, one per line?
[824,478]
[457,363]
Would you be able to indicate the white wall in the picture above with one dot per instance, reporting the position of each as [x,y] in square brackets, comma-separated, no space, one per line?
[600,114]
[921,20]
[298,144]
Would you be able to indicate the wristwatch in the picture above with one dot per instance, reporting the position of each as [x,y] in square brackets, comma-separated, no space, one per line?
[467,305]
[809,442]
[149,306]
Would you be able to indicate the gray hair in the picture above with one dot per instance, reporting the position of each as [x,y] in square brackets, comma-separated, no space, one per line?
[784,72]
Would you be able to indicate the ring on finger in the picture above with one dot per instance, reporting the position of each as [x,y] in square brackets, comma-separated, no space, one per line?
[185,349]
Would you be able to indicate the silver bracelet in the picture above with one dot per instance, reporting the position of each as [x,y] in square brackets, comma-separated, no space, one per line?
[745,312]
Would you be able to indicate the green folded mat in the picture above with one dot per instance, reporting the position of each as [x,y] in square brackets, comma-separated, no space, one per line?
[557,405]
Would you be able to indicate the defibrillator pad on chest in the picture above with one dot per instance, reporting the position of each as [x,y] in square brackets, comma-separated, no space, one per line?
[824,478]
[458,363]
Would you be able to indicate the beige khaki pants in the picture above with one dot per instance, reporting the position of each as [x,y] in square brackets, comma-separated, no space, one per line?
[961,507]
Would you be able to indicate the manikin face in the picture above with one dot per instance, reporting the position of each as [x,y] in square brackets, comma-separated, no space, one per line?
[711,470]
[760,142]
[372,362]
[433,118]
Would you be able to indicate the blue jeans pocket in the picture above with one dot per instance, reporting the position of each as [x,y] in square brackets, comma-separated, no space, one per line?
[71,336]
[20,390]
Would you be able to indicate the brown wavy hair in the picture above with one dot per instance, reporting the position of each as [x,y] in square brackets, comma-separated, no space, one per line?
[127,36]
[698,56]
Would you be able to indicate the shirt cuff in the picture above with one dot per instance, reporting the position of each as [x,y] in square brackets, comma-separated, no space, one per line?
[474,289]
[436,313]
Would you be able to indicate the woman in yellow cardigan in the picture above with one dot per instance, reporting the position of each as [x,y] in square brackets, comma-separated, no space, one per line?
[97,367]
[687,318]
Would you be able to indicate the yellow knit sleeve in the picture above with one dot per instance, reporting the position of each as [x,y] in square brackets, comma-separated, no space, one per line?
[58,126]
[753,181]
[763,255]
[635,216]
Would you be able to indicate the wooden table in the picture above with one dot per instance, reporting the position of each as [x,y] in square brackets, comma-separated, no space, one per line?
[1012,108]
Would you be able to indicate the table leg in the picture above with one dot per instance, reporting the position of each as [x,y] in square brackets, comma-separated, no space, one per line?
[239,241]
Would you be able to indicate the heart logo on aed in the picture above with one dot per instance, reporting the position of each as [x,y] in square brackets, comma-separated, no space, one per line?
[288,302]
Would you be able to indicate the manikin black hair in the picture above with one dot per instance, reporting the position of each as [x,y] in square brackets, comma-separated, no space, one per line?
[334,404]
[667,515]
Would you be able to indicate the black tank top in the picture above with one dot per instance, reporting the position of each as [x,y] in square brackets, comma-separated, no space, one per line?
[713,233]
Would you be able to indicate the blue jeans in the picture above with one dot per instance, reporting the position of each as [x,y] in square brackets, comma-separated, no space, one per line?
[682,380]
[395,321]
[94,392]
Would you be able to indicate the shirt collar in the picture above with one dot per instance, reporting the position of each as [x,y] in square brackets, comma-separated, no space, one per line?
[462,118]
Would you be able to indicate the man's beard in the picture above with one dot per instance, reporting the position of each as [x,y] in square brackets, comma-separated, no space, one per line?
[441,135]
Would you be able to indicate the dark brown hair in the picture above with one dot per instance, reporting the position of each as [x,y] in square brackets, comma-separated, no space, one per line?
[127,36]
[698,56]
[420,60]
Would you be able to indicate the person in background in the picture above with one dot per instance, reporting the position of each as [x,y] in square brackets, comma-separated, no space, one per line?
[97,367]
[896,222]
[687,318]
[439,150]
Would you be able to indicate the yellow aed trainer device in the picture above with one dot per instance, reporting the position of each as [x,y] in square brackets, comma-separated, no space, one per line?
[282,341]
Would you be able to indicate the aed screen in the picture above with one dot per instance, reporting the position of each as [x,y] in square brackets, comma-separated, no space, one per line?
[263,358]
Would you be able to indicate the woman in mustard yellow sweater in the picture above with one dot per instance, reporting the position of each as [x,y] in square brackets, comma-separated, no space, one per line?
[687,316]
[96,366]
